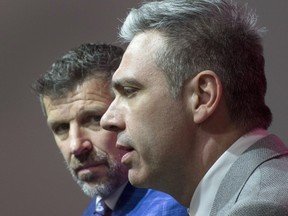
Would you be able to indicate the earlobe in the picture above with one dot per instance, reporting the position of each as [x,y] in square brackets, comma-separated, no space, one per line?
[206,94]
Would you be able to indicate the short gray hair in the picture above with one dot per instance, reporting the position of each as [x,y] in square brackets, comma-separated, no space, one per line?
[215,35]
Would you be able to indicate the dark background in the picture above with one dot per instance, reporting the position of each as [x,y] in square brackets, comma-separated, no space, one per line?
[33,177]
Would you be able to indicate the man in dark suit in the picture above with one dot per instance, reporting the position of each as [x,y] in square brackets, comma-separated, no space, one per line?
[190,109]
[74,94]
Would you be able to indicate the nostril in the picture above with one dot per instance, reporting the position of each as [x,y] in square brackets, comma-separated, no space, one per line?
[83,154]
[82,148]
[112,128]
[107,126]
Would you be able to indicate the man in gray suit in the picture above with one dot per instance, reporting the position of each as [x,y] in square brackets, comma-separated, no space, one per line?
[190,109]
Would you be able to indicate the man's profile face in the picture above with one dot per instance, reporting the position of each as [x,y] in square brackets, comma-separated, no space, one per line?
[88,149]
[152,126]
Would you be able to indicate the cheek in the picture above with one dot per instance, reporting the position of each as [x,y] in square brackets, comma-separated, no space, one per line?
[106,142]
[103,138]
[156,132]
[155,122]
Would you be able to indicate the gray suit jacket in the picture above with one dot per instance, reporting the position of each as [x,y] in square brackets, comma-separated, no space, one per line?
[257,183]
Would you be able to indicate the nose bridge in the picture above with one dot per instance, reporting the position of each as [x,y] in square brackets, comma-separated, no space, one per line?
[74,136]
[78,138]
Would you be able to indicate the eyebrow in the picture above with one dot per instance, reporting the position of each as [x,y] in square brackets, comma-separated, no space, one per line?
[82,112]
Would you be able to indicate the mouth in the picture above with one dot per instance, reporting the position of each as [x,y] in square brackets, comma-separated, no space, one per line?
[127,157]
[90,168]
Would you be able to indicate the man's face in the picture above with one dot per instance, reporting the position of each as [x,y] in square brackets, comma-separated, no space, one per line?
[152,126]
[89,150]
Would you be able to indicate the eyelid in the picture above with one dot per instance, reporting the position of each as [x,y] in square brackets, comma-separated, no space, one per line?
[92,113]
[119,85]
[93,116]
[91,119]
[125,90]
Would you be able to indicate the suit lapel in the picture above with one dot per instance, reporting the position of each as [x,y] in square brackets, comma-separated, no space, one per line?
[265,149]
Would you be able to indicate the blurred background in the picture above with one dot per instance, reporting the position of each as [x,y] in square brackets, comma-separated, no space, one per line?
[33,34]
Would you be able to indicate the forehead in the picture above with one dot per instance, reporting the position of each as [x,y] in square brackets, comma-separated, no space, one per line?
[138,59]
[91,94]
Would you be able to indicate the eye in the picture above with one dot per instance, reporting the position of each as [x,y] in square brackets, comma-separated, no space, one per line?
[126,87]
[128,91]
[95,119]
[60,128]
[92,121]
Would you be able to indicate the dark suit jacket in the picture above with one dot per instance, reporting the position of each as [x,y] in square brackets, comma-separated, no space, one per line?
[257,183]
[143,202]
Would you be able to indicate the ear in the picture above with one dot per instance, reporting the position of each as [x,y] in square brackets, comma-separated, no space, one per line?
[205,94]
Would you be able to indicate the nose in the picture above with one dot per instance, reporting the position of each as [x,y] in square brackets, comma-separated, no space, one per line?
[80,144]
[112,120]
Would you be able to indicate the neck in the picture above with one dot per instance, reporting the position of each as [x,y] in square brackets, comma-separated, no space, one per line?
[213,146]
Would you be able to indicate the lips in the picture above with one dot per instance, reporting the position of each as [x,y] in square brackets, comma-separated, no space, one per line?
[89,166]
[124,147]
[127,157]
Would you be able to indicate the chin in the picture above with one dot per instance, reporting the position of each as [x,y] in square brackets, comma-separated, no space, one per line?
[103,185]
[136,179]
[94,189]
[92,186]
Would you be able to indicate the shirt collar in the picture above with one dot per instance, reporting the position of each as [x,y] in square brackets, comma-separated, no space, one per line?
[113,198]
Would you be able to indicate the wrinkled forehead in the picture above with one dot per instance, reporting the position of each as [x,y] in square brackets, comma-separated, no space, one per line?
[91,92]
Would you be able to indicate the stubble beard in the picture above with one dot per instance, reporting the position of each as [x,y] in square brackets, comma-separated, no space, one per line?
[92,185]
